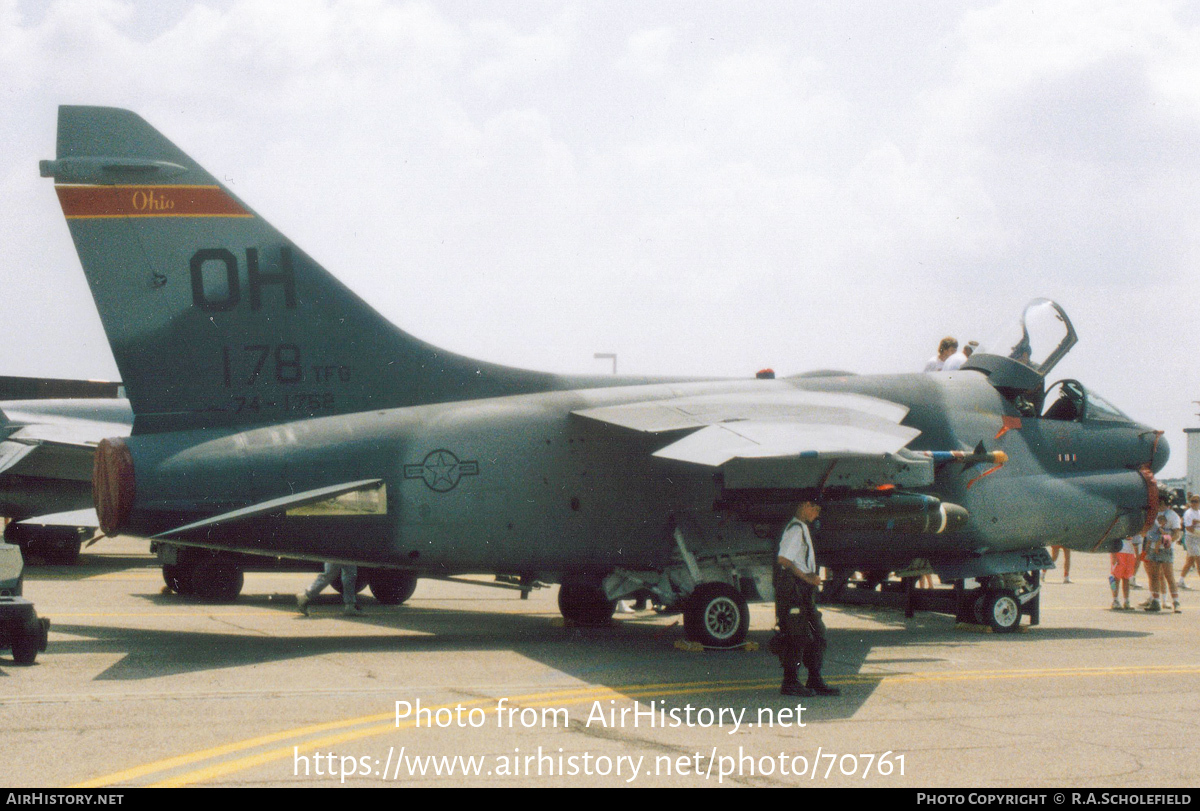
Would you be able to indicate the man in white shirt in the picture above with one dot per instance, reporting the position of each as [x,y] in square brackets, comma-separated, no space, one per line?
[959,358]
[796,584]
[946,348]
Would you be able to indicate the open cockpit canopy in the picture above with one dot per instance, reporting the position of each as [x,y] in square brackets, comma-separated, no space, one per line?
[1038,340]
[1018,359]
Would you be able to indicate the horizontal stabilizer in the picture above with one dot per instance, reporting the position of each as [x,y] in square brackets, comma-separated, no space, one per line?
[20,455]
[13,452]
[45,388]
[273,506]
[74,518]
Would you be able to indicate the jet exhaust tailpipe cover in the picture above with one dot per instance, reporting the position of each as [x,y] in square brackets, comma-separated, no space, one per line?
[113,485]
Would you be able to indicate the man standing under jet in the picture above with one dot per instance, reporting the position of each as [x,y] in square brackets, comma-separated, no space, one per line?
[333,571]
[796,584]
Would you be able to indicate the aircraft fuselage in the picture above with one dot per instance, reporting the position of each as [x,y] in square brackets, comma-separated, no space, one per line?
[521,485]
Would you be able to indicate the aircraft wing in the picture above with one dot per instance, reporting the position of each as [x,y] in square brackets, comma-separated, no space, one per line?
[783,439]
[25,456]
[56,439]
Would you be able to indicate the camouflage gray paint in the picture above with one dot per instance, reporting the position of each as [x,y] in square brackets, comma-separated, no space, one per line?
[253,375]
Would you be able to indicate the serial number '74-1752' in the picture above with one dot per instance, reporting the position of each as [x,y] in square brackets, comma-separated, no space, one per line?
[323,401]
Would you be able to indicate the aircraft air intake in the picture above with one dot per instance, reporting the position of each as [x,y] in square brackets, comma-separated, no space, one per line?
[1151,498]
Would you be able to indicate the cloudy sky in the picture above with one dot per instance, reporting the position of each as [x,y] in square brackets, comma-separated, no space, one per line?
[702,188]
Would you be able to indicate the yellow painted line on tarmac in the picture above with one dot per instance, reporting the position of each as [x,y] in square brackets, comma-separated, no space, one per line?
[183,760]
[199,614]
[378,724]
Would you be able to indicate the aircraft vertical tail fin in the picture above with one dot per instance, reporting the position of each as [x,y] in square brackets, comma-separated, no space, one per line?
[216,318]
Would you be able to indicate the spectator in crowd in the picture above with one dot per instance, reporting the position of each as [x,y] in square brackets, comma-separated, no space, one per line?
[946,348]
[959,358]
[1191,539]
[1066,553]
[1122,565]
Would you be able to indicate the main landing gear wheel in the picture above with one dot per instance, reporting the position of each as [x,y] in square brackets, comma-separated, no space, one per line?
[716,616]
[390,586]
[218,581]
[31,640]
[1001,610]
[585,605]
[54,545]
[178,577]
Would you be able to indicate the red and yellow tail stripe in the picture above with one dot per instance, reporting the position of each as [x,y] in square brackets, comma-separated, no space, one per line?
[101,202]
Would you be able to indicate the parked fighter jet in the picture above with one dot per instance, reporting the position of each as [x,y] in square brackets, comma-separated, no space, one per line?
[49,430]
[275,412]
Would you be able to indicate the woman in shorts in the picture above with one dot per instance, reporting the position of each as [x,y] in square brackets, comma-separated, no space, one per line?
[1165,530]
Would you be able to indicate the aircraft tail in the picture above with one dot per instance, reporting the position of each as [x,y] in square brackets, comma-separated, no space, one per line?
[216,318]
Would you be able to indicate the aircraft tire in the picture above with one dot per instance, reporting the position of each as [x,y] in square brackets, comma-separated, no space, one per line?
[178,577]
[52,544]
[978,610]
[218,581]
[585,605]
[60,548]
[716,616]
[389,586]
[1002,611]
[27,644]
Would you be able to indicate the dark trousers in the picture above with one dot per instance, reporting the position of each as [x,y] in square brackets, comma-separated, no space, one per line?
[801,626]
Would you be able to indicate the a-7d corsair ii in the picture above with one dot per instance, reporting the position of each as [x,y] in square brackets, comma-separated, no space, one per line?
[276,413]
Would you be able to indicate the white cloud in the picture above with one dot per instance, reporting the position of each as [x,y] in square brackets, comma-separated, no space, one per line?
[647,51]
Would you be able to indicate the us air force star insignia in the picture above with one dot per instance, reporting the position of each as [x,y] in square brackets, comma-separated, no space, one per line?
[441,470]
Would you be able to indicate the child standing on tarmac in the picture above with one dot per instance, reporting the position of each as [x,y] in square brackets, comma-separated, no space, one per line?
[1123,562]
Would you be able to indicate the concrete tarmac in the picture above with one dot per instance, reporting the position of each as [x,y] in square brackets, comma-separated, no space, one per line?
[143,688]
